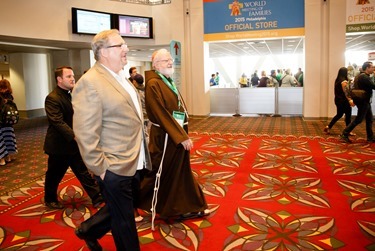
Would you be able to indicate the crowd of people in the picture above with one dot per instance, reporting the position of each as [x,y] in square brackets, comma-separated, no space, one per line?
[279,78]
[127,142]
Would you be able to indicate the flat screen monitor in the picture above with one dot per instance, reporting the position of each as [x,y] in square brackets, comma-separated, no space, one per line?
[134,26]
[90,22]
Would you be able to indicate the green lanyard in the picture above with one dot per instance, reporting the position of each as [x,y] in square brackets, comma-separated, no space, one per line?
[170,84]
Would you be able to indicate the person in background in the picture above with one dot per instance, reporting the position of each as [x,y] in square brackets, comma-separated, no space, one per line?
[244,82]
[264,80]
[8,142]
[279,76]
[60,144]
[217,78]
[138,83]
[273,79]
[356,69]
[108,124]
[177,192]
[364,106]
[288,80]
[132,73]
[300,80]
[343,101]
[212,80]
[254,79]
[298,74]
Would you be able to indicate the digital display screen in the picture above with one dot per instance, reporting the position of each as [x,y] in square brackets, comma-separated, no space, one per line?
[90,22]
[133,26]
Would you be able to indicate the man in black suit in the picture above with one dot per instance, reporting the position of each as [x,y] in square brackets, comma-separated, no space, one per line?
[60,143]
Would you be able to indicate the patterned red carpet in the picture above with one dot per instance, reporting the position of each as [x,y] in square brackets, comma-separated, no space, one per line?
[265,193]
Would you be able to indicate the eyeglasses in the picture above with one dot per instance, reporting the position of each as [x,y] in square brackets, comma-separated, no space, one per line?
[117,45]
[167,60]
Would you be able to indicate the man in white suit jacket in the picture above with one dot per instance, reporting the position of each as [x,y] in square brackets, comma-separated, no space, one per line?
[108,125]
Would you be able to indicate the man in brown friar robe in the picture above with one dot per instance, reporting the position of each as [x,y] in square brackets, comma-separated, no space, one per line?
[178,193]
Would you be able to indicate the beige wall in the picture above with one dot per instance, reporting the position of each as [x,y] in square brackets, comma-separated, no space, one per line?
[324,55]
[51,20]
[324,42]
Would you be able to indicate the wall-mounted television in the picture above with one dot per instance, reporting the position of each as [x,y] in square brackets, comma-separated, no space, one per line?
[90,22]
[134,26]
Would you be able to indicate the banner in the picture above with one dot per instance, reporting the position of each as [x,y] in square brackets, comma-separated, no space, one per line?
[244,19]
[360,16]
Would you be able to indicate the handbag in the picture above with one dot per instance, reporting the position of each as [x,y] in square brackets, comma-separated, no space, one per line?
[356,93]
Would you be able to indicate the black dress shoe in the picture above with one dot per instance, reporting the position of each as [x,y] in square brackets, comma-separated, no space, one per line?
[98,202]
[91,243]
[194,215]
[345,138]
[54,205]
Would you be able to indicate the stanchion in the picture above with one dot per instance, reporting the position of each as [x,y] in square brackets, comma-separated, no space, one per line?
[276,114]
[237,114]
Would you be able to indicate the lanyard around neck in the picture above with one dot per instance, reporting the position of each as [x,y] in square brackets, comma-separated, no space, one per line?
[170,84]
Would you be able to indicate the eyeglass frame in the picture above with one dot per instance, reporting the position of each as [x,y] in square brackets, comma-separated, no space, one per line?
[166,60]
[123,45]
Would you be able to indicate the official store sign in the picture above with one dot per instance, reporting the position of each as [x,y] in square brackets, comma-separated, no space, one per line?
[360,16]
[241,19]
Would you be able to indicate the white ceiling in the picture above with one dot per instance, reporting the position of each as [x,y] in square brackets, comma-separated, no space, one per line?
[363,42]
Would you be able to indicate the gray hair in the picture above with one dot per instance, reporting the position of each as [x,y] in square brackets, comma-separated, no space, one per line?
[157,55]
[101,40]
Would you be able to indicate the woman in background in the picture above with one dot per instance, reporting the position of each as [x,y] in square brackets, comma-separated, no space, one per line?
[7,131]
[342,100]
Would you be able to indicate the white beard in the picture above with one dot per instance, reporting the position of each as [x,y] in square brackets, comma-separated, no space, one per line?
[167,71]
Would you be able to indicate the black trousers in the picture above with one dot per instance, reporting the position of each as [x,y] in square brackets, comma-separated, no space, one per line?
[342,109]
[364,112]
[58,165]
[117,215]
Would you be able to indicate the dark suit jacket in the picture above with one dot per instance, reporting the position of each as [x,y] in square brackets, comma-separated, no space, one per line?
[60,136]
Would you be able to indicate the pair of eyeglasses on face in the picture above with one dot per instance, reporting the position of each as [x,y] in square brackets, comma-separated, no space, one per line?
[122,46]
[167,61]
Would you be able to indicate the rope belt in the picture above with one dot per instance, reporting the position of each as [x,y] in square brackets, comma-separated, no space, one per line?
[157,185]
[157,180]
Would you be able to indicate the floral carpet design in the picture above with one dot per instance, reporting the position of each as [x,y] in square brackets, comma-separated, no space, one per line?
[264,193]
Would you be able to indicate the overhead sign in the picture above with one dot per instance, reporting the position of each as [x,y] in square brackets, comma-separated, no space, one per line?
[246,19]
[175,49]
[360,16]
